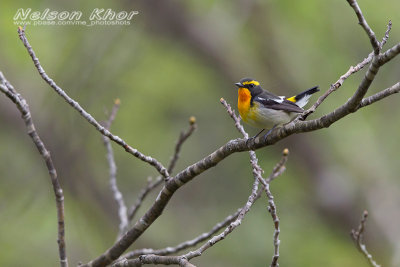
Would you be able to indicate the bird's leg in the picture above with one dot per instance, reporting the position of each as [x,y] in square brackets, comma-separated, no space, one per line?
[254,137]
[258,133]
[269,131]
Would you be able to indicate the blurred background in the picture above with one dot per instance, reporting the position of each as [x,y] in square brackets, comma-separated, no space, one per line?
[175,60]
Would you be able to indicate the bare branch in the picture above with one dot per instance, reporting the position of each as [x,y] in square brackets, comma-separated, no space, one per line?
[23,107]
[113,114]
[122,210]
[379,96]
[200,238]
[364,24]
[186,244]
[352,105]
[377,61]
[154,259]
[142,194]
[152,161]
[230,228]
[255,194]
[279,167]
[182,138]
[386,36]
[150,186]
[235,118]
[358,239]
[275,218]
[257,172]
[252,198]
[342,78]
[390,54]
[278,170]
[336,85]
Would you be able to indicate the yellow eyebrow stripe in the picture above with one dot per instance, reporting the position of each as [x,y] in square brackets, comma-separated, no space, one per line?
[251,82]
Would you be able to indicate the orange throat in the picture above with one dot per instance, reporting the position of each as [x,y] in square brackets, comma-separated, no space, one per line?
[244,98]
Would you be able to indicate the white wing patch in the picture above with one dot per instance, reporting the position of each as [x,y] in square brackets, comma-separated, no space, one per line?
[302,102]
[277,100]
[280,100]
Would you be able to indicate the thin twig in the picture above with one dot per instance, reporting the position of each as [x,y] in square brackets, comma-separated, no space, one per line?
[154,259]
[358,239]
[252,198]
[257,172]
[142,194]
[122,210]
[23,107]
[182,138]
[386,36]
[389,54]
[279,167]
[186,244]
[255,194]
[231,226]
[184,135]
[364,24]
[113,114]
[277,171]
[150,160]
[380,95]
[275,218]
[336,85]
[235,118]
[342,78]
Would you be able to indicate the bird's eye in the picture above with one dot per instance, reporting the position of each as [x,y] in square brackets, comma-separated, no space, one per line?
[251,85]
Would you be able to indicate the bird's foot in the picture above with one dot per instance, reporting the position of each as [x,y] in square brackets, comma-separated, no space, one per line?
[269,131]
[254,137]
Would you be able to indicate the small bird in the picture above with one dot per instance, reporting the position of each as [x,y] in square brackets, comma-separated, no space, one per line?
[262,109]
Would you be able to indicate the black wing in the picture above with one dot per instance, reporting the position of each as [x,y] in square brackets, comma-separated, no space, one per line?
[277,103]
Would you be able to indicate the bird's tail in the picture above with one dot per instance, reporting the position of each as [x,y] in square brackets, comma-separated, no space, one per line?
[302,99]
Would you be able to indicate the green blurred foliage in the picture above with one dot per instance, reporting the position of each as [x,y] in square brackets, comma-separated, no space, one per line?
[166,71]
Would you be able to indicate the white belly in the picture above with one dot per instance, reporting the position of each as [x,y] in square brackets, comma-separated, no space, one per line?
[267,118]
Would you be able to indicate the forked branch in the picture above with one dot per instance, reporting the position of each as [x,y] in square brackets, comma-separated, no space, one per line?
[133,151]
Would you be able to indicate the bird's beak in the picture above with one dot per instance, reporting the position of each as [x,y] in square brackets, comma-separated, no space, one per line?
[239,85]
